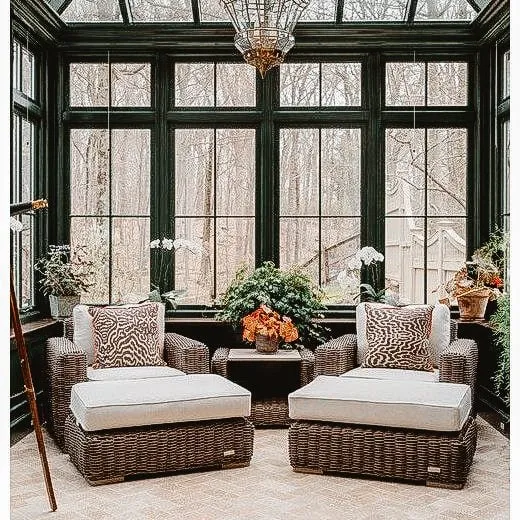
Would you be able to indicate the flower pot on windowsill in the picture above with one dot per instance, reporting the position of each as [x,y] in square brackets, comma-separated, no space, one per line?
[61,306]
[472,305]
[266,345]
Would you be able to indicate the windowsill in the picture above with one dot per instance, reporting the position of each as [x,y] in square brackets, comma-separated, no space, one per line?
[35,326]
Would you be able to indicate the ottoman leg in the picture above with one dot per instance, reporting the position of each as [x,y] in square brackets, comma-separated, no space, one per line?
[444,485]
[112,480]
[311,471]
[233,465]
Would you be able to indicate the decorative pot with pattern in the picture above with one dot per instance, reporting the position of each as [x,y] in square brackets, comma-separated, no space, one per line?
[61,306]
[472,307]
[266,345]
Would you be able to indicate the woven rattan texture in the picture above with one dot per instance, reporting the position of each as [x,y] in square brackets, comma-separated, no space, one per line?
[337,356]
[431,457]
[111,455]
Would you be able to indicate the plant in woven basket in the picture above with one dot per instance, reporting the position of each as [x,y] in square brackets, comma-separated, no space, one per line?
[500,321]
[290,293]
[268,323]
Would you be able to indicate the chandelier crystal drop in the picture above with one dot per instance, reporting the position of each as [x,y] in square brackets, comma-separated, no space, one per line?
[264,29]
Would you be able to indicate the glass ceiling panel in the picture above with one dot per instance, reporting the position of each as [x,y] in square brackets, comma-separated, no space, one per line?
[319,11]
[92,11]
[161,10]
[444,10]
[375,10]
[212,11]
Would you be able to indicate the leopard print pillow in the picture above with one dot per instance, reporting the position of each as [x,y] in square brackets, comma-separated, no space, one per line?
[399,338]
[126,337]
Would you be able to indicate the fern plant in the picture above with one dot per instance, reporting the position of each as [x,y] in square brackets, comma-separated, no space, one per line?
[500,323]
[290,293]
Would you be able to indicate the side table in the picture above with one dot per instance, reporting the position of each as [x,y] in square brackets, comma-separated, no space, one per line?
[266,410]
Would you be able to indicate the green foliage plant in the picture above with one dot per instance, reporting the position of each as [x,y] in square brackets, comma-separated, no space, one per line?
[290,293]
[500,320]
[65,272]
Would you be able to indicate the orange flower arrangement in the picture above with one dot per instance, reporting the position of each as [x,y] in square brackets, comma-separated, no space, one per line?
[269,323]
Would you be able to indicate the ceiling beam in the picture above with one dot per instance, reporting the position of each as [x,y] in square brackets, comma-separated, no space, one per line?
[126,11]
[196,11]
[411,9]
[59,5]
[340,8]
[475,5]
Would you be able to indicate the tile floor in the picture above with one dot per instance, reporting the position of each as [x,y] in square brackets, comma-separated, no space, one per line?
[266,490]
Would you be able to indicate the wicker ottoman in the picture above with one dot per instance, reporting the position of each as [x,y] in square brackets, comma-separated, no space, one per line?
[139,427]
[408,430]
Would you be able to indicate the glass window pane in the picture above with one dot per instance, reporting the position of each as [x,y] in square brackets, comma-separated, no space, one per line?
[506,75]
[130,259]
[92,11]
[194,272]
[447,171]
[194,171]
[299,245]
[405,84]
[340,239]
[444,10]
[15,73]
[299,154]
[404,168]
[374,10]
[211,11]
[235,247]
[404,258]
[88,84]
[340,171]
[446,252]
[131,85]
[319,11]
[28,73]
[340,84]
[131,172]
[92,233]
[161,10]
[194,85]
[27,161]
[235,157]
[236,85]
[26,272]
[447,83]
[299,84]
[89,179]
[505,166]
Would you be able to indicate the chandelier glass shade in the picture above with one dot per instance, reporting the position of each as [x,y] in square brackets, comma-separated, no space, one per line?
[264,29]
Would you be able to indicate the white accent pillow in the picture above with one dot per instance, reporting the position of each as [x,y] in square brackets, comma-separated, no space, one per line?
[439,336]
[84,334]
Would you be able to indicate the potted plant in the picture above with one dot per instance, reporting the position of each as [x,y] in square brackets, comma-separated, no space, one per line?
[266,329]
[479,280]
[289,293]
[500,321]
[164,250]
[65,275]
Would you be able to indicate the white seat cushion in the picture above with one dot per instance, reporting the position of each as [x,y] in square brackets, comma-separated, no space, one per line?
[122,373]
[401,404]
[394,374]
[102,405]
[439,336]
[84,331]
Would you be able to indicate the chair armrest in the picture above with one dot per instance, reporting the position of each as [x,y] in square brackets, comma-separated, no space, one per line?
[337,356]
[186,354]
[458,364]
[66,366]
[307,368]
[219,362]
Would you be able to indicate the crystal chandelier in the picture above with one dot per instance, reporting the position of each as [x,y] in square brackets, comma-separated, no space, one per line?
[264,29]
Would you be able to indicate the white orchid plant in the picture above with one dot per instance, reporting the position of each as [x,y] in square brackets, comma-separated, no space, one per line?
[165,248]
[348,278]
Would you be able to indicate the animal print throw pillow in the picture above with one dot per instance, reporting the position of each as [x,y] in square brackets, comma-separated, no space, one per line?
[126,337]
[398,337]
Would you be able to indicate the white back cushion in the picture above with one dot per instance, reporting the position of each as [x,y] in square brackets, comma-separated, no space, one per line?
[439,336]
[83,333]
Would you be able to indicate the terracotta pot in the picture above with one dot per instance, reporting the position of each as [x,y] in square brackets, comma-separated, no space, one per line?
[472,307]
[61,306]
[266,345]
